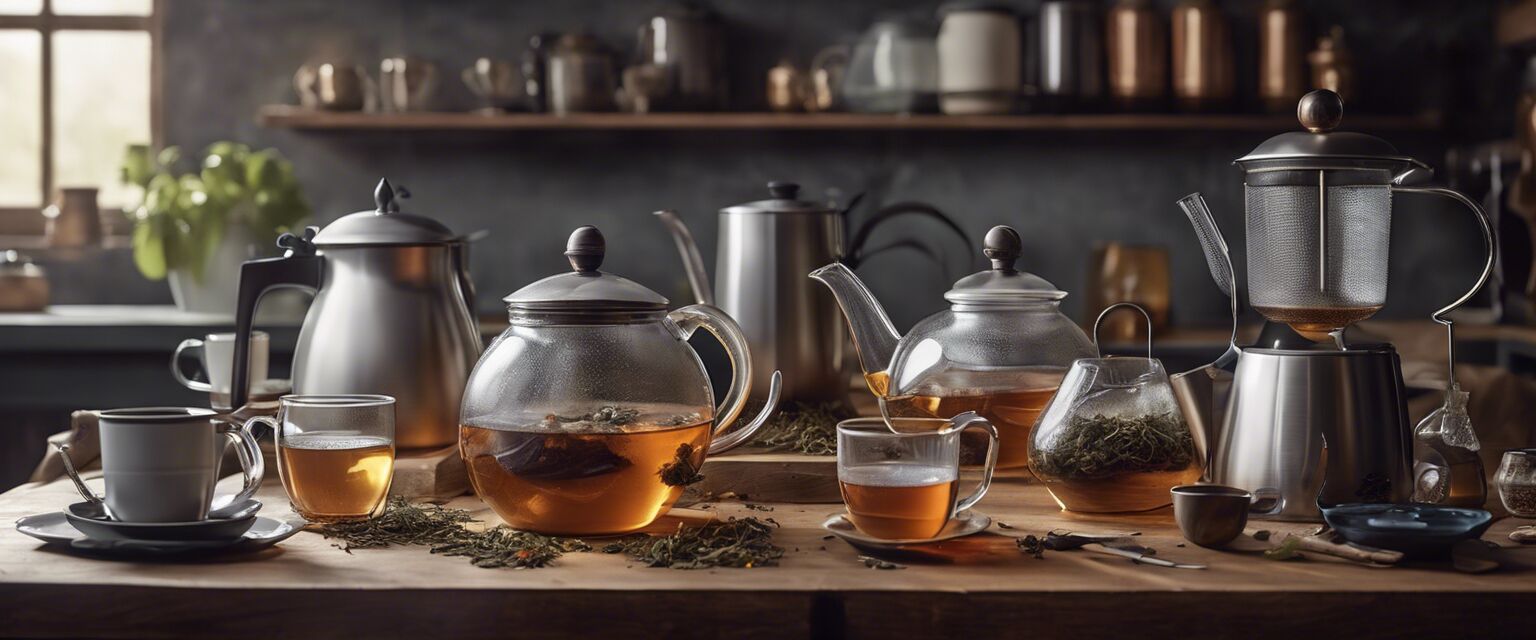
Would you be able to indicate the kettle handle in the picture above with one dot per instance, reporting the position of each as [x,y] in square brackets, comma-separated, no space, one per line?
[696,316]
[298,267]
[856,252]
[1400,186]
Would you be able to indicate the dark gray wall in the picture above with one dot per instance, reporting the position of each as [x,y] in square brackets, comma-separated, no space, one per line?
[1064,191]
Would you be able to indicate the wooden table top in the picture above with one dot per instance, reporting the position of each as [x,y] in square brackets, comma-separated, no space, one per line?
[982,585]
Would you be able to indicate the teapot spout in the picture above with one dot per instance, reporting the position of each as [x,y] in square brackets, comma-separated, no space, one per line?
[693,263]
[874,338]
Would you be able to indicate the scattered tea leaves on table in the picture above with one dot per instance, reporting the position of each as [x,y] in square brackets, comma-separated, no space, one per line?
[402,523]
[1262,535]
[739,543]
[1288,550]
[503,547]
[802,427]
[1004,525]
[876,563]
[757,507]
[1032,546]
[680,472]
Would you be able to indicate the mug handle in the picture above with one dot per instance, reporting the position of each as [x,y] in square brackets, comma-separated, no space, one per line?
[248,450]
[965,421]
[187,345]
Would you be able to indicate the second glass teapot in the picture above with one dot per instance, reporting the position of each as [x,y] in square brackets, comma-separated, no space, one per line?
[590,413]
[1001,349]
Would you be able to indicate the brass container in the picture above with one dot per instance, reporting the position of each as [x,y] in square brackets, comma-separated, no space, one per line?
[786,90]
[1138,55]
[1202,56]
[1333,67]
[1122,272]
[73,221]
[1281,80]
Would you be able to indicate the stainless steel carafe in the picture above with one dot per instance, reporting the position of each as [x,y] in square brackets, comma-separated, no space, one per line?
[766,248]
[391,315]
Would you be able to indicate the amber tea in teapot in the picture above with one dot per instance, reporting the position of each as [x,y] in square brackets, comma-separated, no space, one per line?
[1012,402]
[609,471]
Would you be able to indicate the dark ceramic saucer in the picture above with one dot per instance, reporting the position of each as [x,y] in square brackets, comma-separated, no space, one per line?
[54,529]
[93,521]
[1417,530]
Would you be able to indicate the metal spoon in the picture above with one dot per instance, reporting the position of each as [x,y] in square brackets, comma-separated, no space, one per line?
[74,475]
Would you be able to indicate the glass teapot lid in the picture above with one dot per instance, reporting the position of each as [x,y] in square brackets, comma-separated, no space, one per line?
[385,225]
[585,290]
[1003,284]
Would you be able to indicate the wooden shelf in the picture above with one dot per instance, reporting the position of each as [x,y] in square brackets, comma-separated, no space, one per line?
[290,117]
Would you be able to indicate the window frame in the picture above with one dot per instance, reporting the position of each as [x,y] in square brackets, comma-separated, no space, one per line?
[28,221]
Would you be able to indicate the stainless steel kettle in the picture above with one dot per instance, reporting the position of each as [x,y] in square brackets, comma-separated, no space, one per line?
[391,315]
[766,248]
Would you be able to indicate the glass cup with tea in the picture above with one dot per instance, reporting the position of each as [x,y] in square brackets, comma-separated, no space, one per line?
[905,484]
[335,453]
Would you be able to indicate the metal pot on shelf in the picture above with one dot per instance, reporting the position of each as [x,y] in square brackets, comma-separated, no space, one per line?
[391,315]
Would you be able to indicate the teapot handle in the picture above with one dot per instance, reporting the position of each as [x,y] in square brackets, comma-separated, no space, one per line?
[299,266]
[690,319]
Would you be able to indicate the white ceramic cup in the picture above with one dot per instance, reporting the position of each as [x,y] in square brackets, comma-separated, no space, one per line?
[161,463]
[217,353]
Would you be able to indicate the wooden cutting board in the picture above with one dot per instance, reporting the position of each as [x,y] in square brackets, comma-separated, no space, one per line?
[771,477]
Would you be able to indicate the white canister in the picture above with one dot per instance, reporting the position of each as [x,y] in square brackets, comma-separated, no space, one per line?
[980,55]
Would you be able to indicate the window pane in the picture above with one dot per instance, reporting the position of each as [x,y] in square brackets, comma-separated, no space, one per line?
[21,7]
[102,7]
[21,119]
[100,106]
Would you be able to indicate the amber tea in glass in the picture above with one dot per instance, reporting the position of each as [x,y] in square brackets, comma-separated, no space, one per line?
[605,471]
[336,454]
[905,486]
[1011,401]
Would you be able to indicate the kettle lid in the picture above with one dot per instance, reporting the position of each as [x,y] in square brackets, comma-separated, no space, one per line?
[1003,283]
[385,225]
[585,288]
[1320,146]
[784,197]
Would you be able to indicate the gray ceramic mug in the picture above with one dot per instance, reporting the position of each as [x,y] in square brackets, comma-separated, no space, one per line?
[161,463]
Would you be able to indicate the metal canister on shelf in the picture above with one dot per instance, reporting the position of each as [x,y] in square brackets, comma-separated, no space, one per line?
[1138,55]
[1202,56]
[786,89]
[1280,56]
[1071,48]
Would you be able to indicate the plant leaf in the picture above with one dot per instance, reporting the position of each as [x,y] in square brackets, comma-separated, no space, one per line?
[149,249]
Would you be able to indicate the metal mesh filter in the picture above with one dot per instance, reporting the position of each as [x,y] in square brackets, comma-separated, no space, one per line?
[1289,281]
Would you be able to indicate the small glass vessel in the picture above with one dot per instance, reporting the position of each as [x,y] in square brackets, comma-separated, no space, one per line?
[999,350]
[1113,439]
[590,413]
[1516,481]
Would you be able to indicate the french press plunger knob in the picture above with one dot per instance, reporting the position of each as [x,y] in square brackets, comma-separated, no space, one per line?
[1320,111]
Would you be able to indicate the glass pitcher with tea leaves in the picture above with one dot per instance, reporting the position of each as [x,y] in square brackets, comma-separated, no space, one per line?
[1114,439]
[590,413]
[1000,350]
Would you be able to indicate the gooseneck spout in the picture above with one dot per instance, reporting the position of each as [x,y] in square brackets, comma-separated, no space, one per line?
[693,263]
[873,335]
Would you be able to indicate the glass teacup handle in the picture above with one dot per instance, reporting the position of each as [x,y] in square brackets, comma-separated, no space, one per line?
[248,450]
[970,420]
[694,317]
[187,345]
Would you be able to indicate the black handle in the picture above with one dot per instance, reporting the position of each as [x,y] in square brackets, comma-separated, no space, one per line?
[298,267]
[856,248]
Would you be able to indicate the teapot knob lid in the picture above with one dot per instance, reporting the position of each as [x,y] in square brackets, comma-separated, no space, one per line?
[783,190]
[385,196]
[1320,111]
[1003,247]
[585,249]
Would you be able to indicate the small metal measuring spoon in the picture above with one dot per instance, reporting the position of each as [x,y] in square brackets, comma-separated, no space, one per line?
[74,475]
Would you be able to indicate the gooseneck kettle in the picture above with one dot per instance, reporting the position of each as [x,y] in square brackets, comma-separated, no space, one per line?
[391,315]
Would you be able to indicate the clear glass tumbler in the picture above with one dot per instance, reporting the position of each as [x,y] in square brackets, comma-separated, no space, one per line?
[335,453]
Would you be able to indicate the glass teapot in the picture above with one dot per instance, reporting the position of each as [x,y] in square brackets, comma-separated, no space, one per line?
[1000,350]
[590,413]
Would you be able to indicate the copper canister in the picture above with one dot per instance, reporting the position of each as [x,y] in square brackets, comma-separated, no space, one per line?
[1280,56]
[1202,56]
[1138,55]
[1333,68]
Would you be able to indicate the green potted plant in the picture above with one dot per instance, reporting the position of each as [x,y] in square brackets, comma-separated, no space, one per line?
[196,228]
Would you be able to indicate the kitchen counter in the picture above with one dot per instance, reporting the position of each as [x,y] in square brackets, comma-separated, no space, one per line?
[978,587]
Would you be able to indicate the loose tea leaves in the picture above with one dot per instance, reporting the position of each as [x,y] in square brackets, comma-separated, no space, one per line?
[503,547]
[876,563]
[802,427]
[1099,446]
[1032,546]
[740,543]
[680,472]
[402,523]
